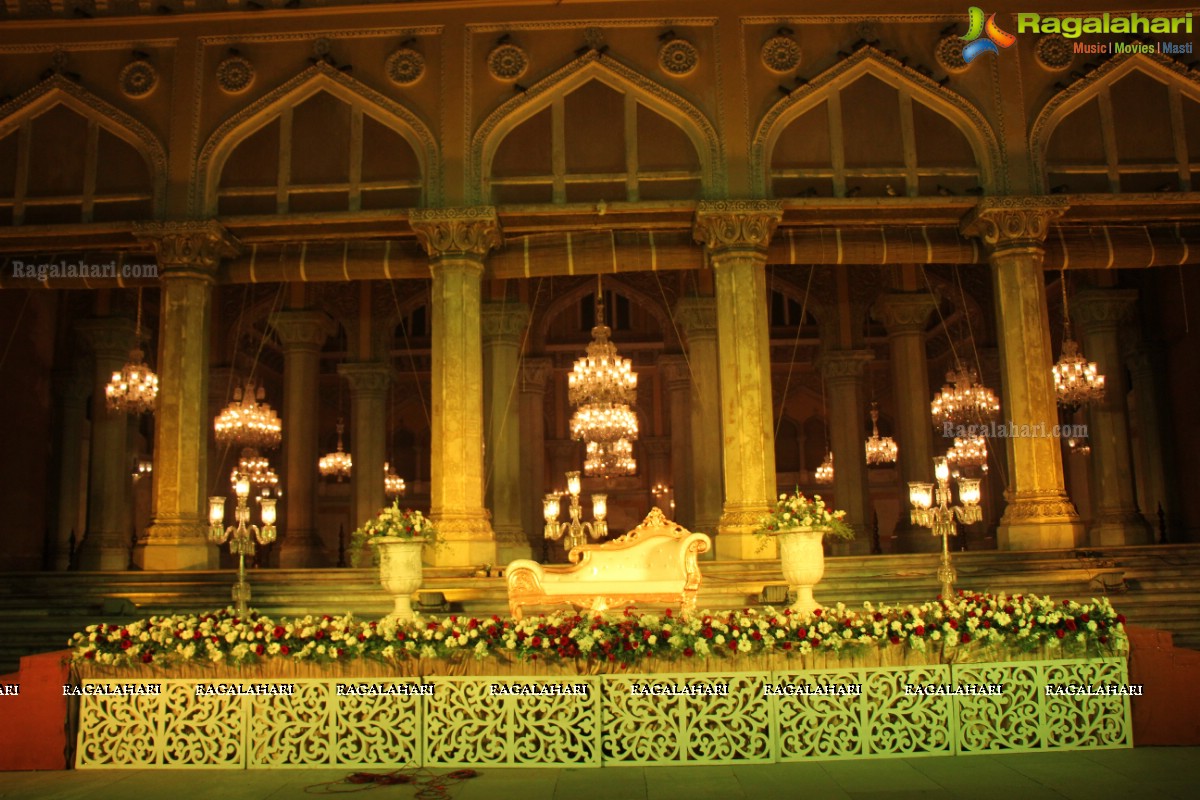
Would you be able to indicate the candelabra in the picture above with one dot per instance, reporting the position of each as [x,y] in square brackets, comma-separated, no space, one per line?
[573,531]
[941,517]
[242,536]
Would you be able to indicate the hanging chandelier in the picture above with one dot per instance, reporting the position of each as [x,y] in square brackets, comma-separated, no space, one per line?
[964,401]
[880,449]
[1077,382]
[1078,446]
[134,389]
[393,484]
[608,460]
[338,463]
[602,385]
[247,422]
[255,468]
[968,452]
[824,473]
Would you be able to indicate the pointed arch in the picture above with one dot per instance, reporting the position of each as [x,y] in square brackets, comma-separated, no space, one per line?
[316,79]
[1178,79]
[540,326]
[594,65]
[58,90]
[911,84]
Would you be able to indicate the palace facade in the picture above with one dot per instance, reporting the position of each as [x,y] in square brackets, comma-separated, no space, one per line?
[400,215]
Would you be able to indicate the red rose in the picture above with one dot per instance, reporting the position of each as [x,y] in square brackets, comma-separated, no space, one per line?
[954,624]
[340,651]
[124,633]
[325,618]
[196,635]
[894,639]
[1070,624]
[215,639]
[473,624]
[689,652]
[279,631]
[90,654]
[283,649]
[1103,639]
[126,644]
[816,612]
[966,637]
[1121,618]
[258,648]
[320,634]
[1060,633]
[536,641]
[362,637]
[732,644]
[802,633]
[1084,618]
[919,630]
[987,623]
[400,636]
[756,636]
[787,645]
[147,657]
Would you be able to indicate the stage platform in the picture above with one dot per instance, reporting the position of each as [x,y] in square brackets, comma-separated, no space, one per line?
[1154,586]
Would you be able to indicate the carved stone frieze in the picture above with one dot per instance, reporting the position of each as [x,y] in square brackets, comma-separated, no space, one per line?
[302,329]
[456,231]
[534,374]
[504,321]
[676,373]
[723,224]
[1095,310]
[1004,223]
[187,245]
[366,377]
[1040,508]
[843,365]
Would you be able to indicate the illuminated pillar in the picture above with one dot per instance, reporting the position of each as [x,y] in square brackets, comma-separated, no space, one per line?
[697,318]
[736,235]
[1038,514]
[188,255]
[843,374]
[457,241]
[503,327]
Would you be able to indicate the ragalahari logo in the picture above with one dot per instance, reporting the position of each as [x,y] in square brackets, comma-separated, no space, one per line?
[995,37]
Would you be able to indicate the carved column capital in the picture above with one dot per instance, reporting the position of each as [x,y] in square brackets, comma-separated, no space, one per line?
[676,374]
[736,224]
[1096,310]
[300,330]
[473,230]
[903,312]
[1006,223]
[697,317]
[504,322]
[534,374]
[188,247]
[366,378]
[107,337]
[843,365]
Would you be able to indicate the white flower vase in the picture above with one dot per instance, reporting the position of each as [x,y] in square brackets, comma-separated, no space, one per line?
[400,572]
[803,562]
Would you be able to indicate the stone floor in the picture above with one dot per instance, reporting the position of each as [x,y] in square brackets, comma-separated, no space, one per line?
[1088,775]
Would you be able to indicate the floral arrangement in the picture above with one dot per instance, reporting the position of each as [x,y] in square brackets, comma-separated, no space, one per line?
[796,510]
[951,628]
[394,521]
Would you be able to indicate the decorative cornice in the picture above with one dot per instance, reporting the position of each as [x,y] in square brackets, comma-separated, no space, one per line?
[903,312]
[1046,507]
[366,378]
[472,230]
[187,246]
[1005,223]
[843,365]
[697,317]
[1097,310]
[504,322]
[300,330]
[736,224]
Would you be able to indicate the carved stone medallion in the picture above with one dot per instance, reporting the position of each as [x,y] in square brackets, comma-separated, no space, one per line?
[781,54]
[235,74]
[507,62]
[1054,52]
[949,53]
[678,57]
[138,79]
[405,66]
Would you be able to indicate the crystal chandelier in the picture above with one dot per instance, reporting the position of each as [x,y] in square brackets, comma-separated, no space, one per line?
[603,386]
[607,460]
[134,389]
[393,484]
[338,463]
[1076,380]
[256,469]
[880,449]
[966,402]
[824,473]
[246,422]
[1078,445]
[968,451]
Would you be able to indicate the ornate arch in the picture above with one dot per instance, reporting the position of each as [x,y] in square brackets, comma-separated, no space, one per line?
[870,61]
[540,326]
[1060,106]
[594,65]
[60,90]
[318,78]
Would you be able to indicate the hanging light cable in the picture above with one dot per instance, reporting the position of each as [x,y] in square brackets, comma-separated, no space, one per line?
[824,473]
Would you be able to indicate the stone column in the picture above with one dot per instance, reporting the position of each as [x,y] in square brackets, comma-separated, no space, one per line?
[71,388]
[534,374]
[677,379]
[457,240]
[697,318]
[1098,314]
[368,433]
[106,543]
[736,235]
[503,327]
[905,315]
[302,334]
[188,255]
[1038,515]
[843,374]
[1147,366]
